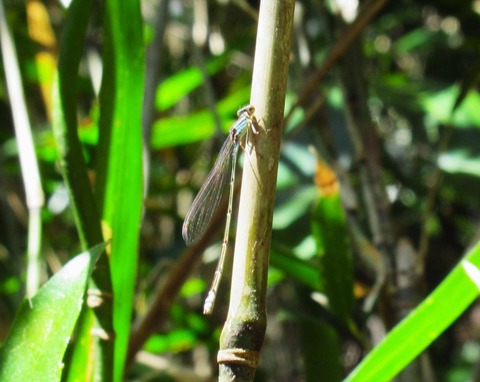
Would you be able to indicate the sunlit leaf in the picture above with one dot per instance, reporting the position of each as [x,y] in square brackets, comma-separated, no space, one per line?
[174,341]
[119,166]
[177,86]
[45,323]
[180,130]
[296,268]
[330,231]
[460,161]
[439,106]
[418,330]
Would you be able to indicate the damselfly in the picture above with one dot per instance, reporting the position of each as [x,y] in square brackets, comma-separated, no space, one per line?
[208,198]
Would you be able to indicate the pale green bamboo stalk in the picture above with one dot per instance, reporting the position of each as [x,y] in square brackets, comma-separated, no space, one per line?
[244,330]
[35,198]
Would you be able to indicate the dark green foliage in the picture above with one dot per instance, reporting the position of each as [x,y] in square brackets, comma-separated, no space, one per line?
[396,118]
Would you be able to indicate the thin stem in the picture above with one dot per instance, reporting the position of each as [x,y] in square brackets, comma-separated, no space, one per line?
[26,151]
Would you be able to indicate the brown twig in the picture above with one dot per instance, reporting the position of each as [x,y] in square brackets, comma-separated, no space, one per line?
[367,13]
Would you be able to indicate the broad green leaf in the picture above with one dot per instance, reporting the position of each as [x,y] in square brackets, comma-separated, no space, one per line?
[418,330]
[35,346]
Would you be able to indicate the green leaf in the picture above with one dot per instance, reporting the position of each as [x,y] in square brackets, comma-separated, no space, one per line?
[296,268]
[418,330]
[192,287]
[34,348]
[413,40]
[294,208]
[174,341]
[440,104]
[74,171]
[175,131]
[460,161]
[81,365]
[321,349]
[119,175]
[175,87]
[336,262]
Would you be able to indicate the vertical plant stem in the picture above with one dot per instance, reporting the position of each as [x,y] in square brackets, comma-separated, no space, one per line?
[74,171]
[26,151]
[244,330]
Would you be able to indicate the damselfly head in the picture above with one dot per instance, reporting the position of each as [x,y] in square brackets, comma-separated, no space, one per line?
[248,109]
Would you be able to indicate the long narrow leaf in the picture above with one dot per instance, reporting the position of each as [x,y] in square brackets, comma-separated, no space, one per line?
[418,330]
[74,171]
[120,157]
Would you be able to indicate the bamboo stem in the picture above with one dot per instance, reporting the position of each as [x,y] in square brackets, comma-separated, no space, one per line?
[244,330]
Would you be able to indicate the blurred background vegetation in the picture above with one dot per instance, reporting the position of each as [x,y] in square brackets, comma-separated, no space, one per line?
[377,185]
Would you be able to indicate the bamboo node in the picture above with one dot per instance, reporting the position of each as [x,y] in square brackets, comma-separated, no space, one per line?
[239,356]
